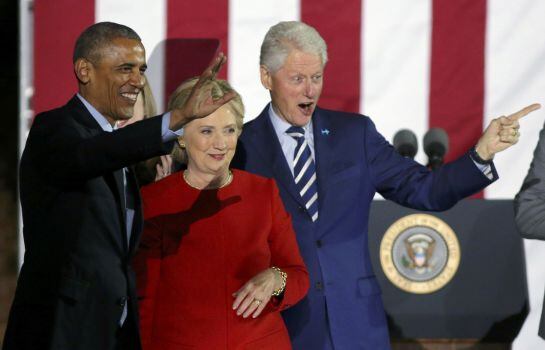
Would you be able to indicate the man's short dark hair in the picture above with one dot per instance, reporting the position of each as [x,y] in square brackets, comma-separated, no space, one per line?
[94,38]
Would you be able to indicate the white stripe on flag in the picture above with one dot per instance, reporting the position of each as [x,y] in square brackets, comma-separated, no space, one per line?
[149,21]
[249,21]
[515,77]
[395,65]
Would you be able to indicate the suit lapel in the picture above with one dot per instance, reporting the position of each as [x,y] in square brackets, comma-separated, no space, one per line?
[120,189]
[114,179]
[323,138]
[267,144]
[137,222]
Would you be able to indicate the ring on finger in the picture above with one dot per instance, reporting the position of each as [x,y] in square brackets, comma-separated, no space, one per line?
[257,302]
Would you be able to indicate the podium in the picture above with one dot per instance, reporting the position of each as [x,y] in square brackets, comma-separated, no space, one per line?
[484,304]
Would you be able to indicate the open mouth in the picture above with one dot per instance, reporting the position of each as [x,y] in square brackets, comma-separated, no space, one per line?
[306,107]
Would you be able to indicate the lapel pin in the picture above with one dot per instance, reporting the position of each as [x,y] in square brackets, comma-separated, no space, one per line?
[325,132]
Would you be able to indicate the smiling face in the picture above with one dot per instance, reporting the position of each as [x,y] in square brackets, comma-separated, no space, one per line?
[210,143]
[296,87]
[138,113]
[113,83]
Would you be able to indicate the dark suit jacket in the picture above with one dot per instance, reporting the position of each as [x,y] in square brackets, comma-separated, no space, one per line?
[530,205]
[353,161]
[76,277]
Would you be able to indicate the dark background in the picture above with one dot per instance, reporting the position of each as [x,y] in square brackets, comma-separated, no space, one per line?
[9,97]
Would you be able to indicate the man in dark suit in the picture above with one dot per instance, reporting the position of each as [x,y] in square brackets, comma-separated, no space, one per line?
[530,205]
[81,206]
[328,166]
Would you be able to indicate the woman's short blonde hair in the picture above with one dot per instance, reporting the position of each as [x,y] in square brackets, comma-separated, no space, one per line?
[150,106]
[218,88]
[145,170]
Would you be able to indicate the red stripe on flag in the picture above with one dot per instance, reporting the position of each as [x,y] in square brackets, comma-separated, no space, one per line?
[457,71]
[57,25]
[340,26]
[204,20]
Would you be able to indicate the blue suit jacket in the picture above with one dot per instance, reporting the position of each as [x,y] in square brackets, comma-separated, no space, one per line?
[343,307]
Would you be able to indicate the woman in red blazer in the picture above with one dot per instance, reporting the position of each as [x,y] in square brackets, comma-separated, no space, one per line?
[218,259]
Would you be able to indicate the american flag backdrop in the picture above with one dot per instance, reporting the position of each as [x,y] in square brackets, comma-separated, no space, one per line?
[415,64]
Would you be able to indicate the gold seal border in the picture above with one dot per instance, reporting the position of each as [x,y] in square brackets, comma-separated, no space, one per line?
[453,253]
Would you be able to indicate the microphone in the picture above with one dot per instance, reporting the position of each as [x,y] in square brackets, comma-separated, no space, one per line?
[435,146]
[405,143]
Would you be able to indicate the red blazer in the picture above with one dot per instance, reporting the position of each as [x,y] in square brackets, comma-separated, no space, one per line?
[199,247]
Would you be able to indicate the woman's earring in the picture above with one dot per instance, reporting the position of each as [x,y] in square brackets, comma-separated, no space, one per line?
[181,143]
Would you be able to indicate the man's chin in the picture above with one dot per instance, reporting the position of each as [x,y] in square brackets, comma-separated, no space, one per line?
[301,120]
[125,115]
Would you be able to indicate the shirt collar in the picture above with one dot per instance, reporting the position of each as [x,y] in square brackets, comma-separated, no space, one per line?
[280,125]
[101,120]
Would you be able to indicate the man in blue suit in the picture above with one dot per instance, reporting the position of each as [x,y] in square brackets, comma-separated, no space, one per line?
[328,166]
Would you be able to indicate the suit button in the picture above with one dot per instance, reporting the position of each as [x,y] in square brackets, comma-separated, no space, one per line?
[122,301]
[319,286]
[319,243]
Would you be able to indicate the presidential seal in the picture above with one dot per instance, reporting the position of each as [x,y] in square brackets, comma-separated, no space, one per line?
[419,253]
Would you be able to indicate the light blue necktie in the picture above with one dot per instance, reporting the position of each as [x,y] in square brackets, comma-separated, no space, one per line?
[304,171]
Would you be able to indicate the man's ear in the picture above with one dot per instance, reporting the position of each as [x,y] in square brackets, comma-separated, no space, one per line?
[83,69]
[266,77]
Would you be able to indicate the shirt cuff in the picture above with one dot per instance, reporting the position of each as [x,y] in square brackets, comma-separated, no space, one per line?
[166,133]
[486,169]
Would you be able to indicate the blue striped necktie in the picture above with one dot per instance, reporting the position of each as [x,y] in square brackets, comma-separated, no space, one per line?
[304,171]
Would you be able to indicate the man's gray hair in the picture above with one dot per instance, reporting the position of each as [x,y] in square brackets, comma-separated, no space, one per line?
[286,36]
[97,36]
